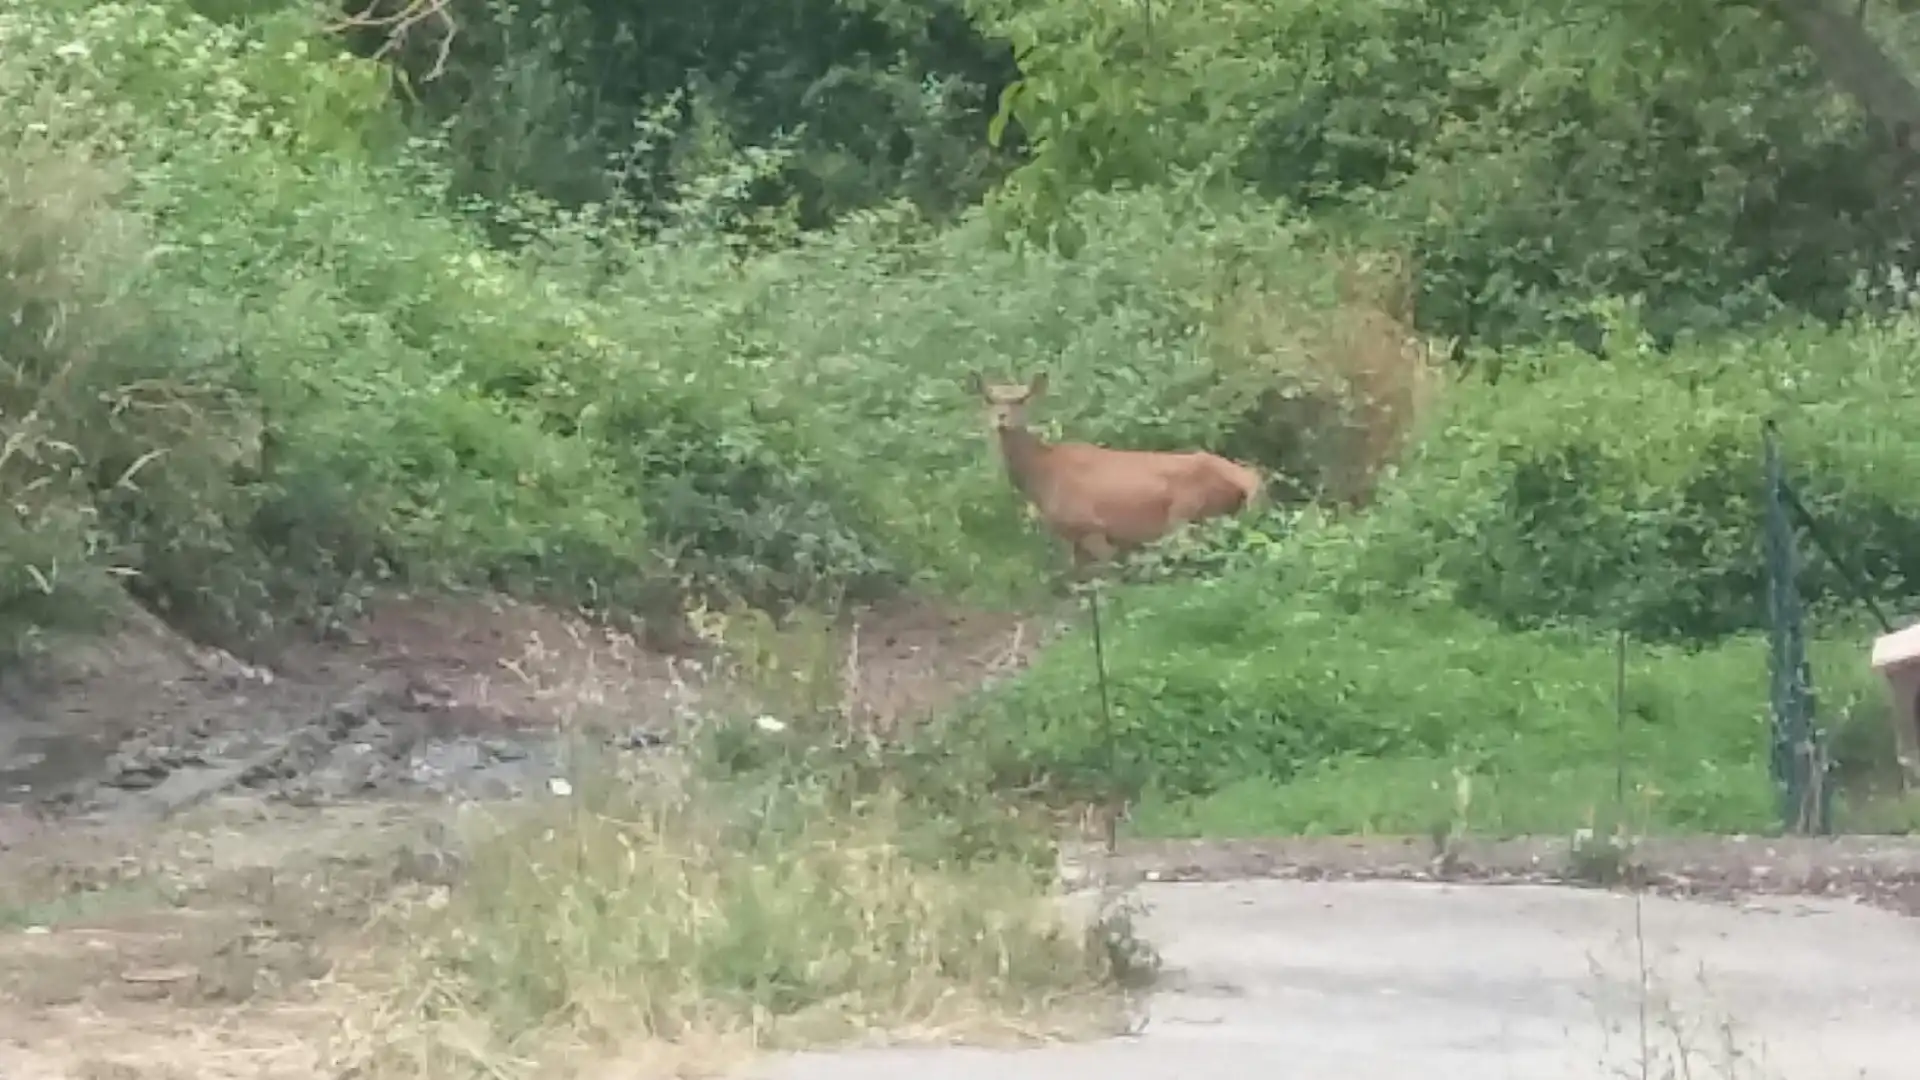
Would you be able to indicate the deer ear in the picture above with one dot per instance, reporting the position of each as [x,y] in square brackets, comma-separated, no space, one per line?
[975,384]
[1038,386]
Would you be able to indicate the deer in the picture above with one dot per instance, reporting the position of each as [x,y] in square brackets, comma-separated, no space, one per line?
[1102,502]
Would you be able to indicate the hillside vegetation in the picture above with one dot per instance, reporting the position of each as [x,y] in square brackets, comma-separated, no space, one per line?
[619,308]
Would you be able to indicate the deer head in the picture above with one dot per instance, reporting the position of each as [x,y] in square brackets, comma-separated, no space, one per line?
[1007,402]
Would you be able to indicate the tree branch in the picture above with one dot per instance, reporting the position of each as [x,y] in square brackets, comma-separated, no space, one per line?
[399,25]
[1856,63]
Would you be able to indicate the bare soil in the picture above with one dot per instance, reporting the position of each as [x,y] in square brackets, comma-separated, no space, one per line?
[1881,871]
[188,843]
[468,695]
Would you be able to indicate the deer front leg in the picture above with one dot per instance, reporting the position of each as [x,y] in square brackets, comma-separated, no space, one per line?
[1095,547]
[1063,582]
[1089,550]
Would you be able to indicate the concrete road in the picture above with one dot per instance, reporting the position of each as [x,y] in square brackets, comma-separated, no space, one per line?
[1397,981]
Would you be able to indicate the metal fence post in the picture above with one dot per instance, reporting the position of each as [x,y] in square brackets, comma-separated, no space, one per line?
[1799,759]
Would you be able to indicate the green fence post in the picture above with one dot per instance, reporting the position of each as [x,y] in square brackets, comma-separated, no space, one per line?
[1799,759]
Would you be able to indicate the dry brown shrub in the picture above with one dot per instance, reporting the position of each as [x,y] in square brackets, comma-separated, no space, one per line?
[623,923]
[1335,390]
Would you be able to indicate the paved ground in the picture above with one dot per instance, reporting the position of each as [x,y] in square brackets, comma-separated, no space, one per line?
[1393,980]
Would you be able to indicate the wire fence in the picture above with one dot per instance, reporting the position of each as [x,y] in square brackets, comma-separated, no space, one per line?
[1801,763]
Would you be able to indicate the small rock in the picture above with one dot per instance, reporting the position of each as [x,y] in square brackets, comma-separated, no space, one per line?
[138,778]
[355,773]
[425,694]
[159,975]
[506,750]
[345,716]
[444,758]
[641,739]
[301,795]
[491,789]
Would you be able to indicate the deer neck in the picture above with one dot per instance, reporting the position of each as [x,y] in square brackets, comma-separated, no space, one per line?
[1023,451]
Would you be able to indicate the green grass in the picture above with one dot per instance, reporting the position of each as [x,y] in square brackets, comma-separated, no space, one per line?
[1292,698]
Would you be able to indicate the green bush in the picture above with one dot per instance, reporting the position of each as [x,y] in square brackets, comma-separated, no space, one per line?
[866,336]
[1532,156]
[590,101]
[106,399]
[414,404]
[269,299]
[1632,495]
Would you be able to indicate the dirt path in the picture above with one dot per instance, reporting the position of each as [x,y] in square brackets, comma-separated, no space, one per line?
[469,696]
[196,947]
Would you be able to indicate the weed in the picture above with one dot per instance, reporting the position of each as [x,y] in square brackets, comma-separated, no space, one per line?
[624,917]
[1602,859]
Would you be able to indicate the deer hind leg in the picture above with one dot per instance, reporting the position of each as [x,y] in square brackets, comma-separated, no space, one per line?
[1200,502]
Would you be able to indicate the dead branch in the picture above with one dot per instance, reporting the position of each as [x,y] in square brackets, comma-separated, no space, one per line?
[399,25]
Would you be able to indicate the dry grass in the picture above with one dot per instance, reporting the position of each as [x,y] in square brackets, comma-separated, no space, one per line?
[1680,1030]
[62,245]
[1343,387]
[686,931]
[674,926]
[92,394]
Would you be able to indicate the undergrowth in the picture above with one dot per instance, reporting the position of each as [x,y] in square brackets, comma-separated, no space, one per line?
[1363,720]
[310,371]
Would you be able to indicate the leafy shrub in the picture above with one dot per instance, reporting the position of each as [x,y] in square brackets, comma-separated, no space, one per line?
[1180,322]
[1332,393]
[601,420]
[416,404]
[1632,496]
[348,449]
[596,102]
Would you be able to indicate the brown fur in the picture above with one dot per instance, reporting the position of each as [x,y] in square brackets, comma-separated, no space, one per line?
[1101,502]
